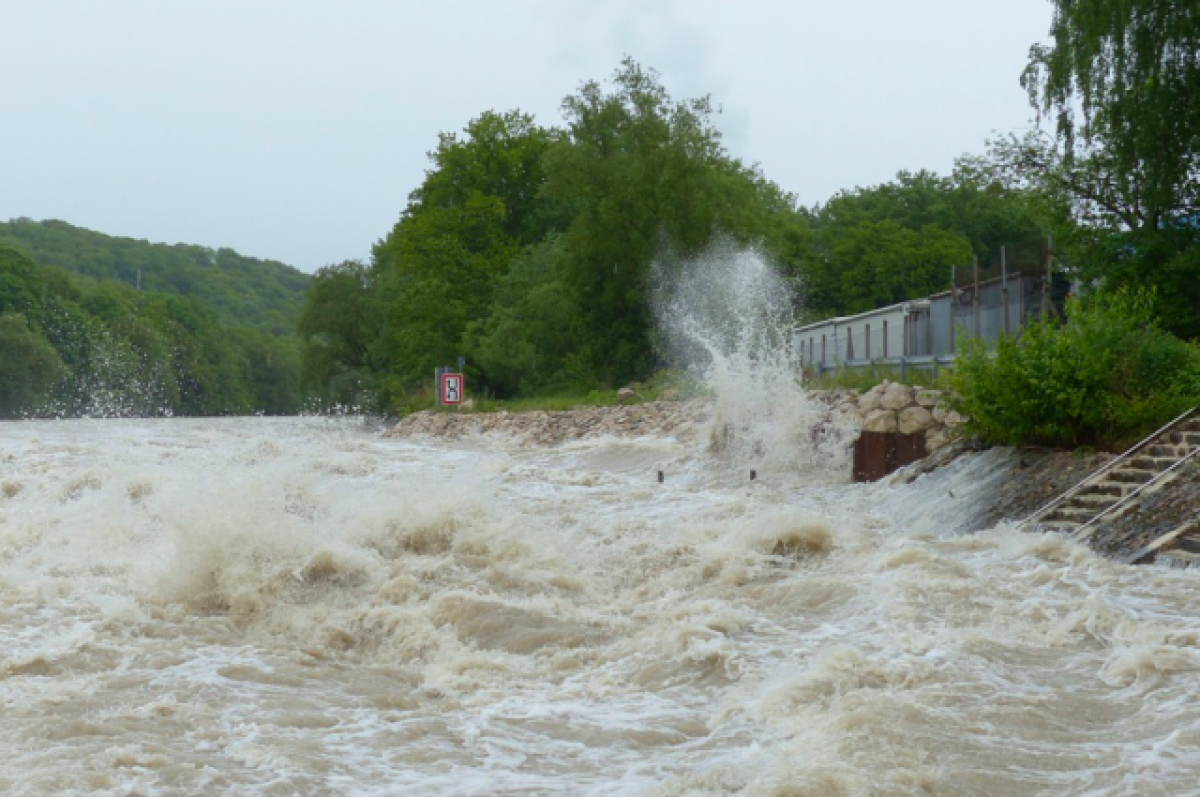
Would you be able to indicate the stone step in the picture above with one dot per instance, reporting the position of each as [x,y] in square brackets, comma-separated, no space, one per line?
[1130,475]
[1164,450]
[1093,500]
[1073,514]
[1191,439]
[1107,487]
[1156,464]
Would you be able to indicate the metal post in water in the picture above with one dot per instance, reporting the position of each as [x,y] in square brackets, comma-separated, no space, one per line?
[753,475]
[660,477]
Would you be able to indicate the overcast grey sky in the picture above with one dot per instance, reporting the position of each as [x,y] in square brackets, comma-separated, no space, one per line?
[294,129]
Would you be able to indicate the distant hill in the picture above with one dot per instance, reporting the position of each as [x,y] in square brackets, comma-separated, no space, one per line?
[263,294]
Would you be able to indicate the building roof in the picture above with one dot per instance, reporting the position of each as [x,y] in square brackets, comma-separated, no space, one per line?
[912,304]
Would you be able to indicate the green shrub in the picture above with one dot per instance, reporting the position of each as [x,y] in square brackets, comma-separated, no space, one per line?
[1105,378]
[863,378]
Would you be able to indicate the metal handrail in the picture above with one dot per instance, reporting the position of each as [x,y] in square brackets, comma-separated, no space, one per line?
[1104,470]
[1079,535]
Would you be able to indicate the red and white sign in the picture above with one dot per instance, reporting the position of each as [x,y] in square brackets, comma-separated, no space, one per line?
[452,388]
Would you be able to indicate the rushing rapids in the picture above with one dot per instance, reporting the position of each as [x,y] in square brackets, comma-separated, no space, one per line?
[297,606]
[302,606]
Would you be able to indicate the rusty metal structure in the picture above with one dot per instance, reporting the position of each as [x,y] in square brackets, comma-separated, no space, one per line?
[876,454]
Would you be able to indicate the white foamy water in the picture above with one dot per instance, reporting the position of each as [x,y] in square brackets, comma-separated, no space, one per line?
[298,606]
[271,606]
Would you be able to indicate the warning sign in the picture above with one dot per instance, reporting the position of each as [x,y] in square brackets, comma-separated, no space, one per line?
[452,388]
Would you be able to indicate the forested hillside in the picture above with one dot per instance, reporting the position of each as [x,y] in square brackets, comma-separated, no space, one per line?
[264,294]
[71,347]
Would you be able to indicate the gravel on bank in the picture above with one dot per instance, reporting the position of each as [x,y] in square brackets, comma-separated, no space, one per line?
[679,419]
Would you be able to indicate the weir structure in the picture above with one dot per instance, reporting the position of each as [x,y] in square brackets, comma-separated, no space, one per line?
[1119,486]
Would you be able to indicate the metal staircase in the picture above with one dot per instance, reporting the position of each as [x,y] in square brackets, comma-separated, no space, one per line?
[1116,487]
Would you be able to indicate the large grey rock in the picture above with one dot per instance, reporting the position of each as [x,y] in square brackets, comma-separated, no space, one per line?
[880,421]
[935,439]
[928,398]
[954,419]
[869,401]
[940,413]
[846,414]
[897,397]
[913,420]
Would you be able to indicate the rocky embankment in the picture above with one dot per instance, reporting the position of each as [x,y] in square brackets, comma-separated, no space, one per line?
[888,407]
[676,418]
[893,407]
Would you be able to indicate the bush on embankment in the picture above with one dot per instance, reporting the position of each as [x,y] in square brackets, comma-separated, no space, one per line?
[1105,378]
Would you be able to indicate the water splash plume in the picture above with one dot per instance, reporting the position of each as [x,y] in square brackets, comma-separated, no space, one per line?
[726,318]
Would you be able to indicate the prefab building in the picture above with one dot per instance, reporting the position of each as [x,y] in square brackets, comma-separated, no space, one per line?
[987,309]
[990,309]
[899,330]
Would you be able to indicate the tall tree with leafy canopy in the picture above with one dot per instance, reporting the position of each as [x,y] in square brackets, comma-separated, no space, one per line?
[642,173]
[437,269]
[898,240]
[1121,80]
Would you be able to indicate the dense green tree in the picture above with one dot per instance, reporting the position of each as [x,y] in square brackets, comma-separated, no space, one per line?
[1132,68]
[436,271]
[984,211]
[498,155]
[873,246]
[643,173]
[532,340]
[1121,79]
[29,367]
[876,263]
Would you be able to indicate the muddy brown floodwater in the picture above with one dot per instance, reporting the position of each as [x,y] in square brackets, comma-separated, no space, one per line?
[300,606]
